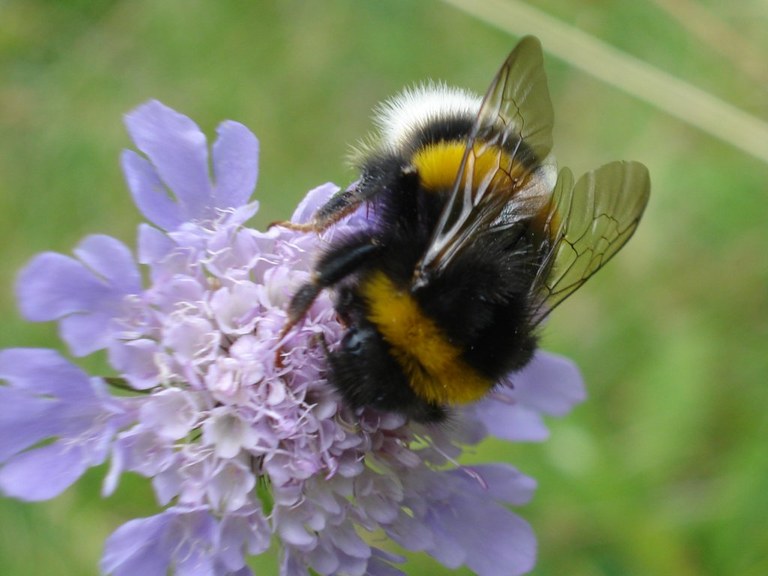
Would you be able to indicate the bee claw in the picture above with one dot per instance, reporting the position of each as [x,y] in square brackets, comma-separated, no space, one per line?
[294,226]
[280,354]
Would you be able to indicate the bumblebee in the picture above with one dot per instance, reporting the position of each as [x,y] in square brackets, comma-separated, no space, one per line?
[475,238]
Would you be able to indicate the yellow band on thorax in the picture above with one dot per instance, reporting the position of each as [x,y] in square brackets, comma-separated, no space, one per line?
[438,164]
[434,366]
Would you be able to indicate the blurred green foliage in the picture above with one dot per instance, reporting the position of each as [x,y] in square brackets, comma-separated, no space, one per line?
[665,469]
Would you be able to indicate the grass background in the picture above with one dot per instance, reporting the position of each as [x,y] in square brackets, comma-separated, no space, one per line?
[665,469]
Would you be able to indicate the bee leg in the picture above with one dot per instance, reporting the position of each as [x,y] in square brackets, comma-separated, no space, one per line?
[332,268]
[344,202]
[341,204]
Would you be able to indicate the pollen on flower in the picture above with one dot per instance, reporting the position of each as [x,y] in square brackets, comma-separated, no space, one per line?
[241,452]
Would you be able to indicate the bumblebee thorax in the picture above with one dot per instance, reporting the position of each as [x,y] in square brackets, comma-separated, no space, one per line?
[412,115]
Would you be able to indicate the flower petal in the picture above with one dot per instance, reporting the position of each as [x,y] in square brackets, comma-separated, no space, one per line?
[85,333]
[43,473]
[346,539]
[379,564]
[500,543]
[503,546]
[182,540]
[240,533]
[505,419]
[312,201]
[85,295]
[112,260]
[53,285]
[135,359]
[153,246]
[549,383]
[24,421]
[502,482]
[44,372]
[170,413]
[136,547]
[149,193]
[178,151]
[235,164]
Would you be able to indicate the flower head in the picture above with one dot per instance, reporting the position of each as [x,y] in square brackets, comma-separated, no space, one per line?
[241,450]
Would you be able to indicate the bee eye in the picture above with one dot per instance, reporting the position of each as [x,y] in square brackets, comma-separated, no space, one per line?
[354,340]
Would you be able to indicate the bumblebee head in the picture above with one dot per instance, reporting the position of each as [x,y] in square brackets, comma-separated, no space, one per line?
[367,375]
[362,359]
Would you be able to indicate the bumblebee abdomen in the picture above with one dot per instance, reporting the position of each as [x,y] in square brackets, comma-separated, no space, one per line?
[434,366]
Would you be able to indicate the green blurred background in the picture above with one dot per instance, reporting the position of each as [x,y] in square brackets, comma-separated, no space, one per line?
[664,471]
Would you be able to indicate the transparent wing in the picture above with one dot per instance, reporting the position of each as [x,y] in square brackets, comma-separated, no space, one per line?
[584,226]
[510,139]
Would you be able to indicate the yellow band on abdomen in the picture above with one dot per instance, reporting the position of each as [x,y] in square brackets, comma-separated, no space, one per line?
[434,366]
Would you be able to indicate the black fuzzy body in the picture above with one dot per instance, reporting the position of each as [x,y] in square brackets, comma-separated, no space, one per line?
[480,302]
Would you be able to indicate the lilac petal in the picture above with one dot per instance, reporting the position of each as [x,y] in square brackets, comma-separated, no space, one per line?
[194,536]
[235,164]
[242,214]
[244,571]
[227,433]
[24,421]
[351,565]
[502,482]
[499,544]
[377,567]
[506,546]
[195,564]
[448,549]
[167,485]
[241,533]
[84,295]
[410,533]
[380,564]
[182,540]
[44,372]
[177,149]
[54,389]
[149,193]
[291,564]
[137,548]
[170,413]
[312,201]
[142,451]
[85,333]
[324,559]
[229,488]
[135,359]
[153,245]
[292,531]
[507,420]
[549,383]
[116,468]
[110,259]
[346,539]
[49,397]
[233,308]
[53,285]
[43,473]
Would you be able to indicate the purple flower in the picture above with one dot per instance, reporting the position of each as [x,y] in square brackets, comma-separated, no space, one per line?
[85,294]
[242,452]
[47,397]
